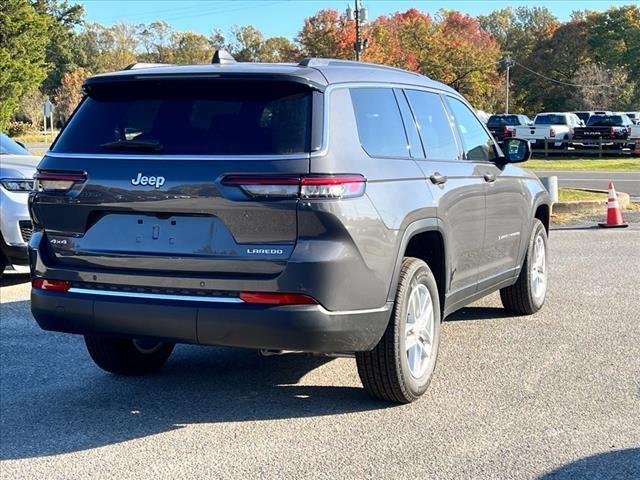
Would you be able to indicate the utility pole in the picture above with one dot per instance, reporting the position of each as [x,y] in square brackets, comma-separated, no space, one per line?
[508,63]
[360,15]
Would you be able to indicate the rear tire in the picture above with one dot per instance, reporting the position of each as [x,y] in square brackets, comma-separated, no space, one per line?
[528,294]
[399,369]
[124,356]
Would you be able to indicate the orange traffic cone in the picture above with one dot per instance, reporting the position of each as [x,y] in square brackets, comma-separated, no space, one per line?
[614,215]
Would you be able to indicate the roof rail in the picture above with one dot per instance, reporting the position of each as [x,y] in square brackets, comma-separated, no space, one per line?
[324,62]
[222,57]
[137,65]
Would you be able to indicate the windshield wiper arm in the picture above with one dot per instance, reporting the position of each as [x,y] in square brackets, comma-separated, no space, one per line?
[135,145]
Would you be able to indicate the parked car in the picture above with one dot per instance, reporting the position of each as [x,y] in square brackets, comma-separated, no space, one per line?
[17,167]
[326,206]
[504,125]
[634,117]
[584,116]
[552,128]
[605,130]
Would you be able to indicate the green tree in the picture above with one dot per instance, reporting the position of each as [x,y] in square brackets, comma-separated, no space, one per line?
[278,50]
[23,43]
[246,43]
[62,53]
[191,48]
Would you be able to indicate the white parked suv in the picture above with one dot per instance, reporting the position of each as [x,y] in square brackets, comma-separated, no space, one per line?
[552,128]
[17,167]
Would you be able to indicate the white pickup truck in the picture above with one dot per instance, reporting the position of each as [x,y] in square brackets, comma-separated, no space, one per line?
[634,138]
[551,128]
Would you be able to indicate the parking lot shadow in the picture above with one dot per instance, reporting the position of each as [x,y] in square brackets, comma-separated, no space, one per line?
[13,279]
[478,313]
[619,464]
[54,400]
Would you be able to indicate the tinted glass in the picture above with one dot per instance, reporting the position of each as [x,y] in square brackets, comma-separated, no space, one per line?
[584,116]
[9,147]
[606,121]
[499,120]
[477,143]
[550,120]
[192,117]
[434,125]
[380,127]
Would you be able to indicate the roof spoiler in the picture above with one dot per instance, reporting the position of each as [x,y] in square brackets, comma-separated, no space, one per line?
[222,57]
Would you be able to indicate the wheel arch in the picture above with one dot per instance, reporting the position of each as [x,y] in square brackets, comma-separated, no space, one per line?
[424,239]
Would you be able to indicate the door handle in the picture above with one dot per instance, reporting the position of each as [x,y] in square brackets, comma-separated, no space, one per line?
[489,178]
[437,179]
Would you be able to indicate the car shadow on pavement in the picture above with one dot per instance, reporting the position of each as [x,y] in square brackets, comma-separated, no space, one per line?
[55,400]
[618,464]
[13,279]
[478,313]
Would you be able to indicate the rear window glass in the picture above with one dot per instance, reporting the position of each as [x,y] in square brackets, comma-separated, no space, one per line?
[498,120]
[380,126]
[219,117]
[551,120]
[605,121]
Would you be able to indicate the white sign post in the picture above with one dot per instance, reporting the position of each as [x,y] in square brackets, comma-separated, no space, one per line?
[48,112]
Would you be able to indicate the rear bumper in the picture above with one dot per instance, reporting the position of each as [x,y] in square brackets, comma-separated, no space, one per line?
[15,254]
[302,327]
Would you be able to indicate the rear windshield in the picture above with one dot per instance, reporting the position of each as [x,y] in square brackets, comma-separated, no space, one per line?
[199,117]
[499,120]
[605,121]
[551,120]
[584,116]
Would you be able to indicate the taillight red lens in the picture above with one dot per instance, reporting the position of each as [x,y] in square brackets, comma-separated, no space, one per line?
[552,133]
[313,186]
[53,181]
[264,298]
[52,285]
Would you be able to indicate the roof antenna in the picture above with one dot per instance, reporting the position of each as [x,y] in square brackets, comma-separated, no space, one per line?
[222,57]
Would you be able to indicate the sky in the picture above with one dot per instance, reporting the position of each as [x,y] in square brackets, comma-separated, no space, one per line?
[285,17]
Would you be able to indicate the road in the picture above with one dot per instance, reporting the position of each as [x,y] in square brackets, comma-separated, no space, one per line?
[628,182]
[555,395]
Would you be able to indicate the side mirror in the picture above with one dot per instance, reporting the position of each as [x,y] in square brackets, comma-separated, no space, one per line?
[516,150]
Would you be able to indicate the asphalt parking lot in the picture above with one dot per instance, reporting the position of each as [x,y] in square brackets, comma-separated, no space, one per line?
[556,395]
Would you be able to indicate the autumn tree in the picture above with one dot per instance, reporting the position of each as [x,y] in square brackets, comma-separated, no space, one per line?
[601,88]
[31,107]
[278,50]
[327,34]
[69,93]
[191,48]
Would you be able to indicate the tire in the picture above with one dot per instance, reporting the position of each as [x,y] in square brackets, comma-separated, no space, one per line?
[527,295]
[385,371]
[124,356]
[3,263]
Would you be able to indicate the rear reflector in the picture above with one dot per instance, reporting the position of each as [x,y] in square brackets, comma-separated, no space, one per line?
[264,298]
[325,186]
[53,181]
[52,285]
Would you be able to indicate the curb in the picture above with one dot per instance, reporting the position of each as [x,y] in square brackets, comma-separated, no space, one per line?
[580,206]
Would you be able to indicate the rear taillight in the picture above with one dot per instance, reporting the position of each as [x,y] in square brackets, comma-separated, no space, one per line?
[264,298]
[507,132]
[315,186]
[51,285]
[57,182]
[552,133]
[612,132]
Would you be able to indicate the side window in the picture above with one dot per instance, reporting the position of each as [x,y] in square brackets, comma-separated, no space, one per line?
[477,143]
[380,126]
[434,125]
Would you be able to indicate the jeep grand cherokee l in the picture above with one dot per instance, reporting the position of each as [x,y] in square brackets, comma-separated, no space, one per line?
[327,206]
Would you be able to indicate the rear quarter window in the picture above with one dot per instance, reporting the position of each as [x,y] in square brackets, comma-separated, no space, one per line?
[379,123]
[214,117]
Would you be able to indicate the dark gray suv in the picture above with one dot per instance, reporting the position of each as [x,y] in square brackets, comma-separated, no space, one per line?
[327,206]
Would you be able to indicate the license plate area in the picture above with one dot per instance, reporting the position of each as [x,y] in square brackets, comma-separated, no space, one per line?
[149,234]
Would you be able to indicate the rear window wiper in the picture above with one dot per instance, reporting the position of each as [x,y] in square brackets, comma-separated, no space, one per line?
[134,145]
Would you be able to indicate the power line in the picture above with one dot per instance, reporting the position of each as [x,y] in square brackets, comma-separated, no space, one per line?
[561,81]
